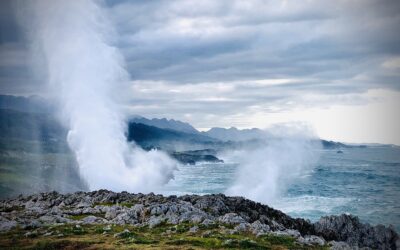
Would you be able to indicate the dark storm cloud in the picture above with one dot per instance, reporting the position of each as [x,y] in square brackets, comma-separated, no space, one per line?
[184,41]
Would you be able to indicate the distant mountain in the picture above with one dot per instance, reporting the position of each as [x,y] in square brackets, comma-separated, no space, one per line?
[168,139]
[32,104]
[338,145]
[166,124]
[234,134]
[30,126]
[30,118]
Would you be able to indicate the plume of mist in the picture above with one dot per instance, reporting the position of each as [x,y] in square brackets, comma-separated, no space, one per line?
[287,152]
[72,48]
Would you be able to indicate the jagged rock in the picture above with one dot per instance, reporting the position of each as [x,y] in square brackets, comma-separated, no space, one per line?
[38,210]
[7,224]
[349,229]
[155,221]
[339,245]
[93,220]
[84,204]
[47,219]
[192,216]
[112,212]
[311,240]
[288,232]
[259,228]
[242,227]
[231,219]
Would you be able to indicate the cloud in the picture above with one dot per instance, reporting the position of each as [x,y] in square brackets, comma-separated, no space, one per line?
[198,60]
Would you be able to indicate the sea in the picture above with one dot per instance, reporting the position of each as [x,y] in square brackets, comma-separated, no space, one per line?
[361,181]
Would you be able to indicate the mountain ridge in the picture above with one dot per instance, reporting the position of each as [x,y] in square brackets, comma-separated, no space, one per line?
[40,107]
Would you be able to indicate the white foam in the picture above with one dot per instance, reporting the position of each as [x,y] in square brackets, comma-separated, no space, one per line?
[267,171]
[309,203]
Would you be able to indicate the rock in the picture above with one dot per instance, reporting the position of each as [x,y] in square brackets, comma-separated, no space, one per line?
[47,219]
[311,240]
[47,234]
[84,204]
[339,245]
[258,228]
[231,219]
[287,232]
[56,211]
[124,234]
[36,211]
[30,234]
[242,227]
[31,224]
[349,229]
[53,219]
[92,220]
[194,229]
[293,233]
[155,221]
[208,222]
[112,212]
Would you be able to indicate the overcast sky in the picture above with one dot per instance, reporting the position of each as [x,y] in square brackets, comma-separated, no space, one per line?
[332,64]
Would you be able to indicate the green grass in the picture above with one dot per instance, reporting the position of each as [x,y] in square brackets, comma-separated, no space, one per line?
[82,216]
[24,163]
[165,236]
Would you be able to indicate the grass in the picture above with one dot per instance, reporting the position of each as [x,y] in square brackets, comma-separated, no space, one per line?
[82,216]
[164,236]
[27,167]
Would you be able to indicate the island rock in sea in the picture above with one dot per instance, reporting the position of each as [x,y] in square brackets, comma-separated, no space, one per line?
[229,215]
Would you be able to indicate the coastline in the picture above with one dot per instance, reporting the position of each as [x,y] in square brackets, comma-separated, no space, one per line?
[44,217]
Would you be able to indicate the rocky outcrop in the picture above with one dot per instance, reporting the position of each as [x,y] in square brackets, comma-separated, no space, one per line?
[348,228]
[233,214]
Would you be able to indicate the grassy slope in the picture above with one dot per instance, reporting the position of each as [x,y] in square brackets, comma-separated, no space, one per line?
[26,166]
[161,237]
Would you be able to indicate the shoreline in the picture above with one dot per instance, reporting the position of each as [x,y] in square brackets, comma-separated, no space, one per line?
[215,214]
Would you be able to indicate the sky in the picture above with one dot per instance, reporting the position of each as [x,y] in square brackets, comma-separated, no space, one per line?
[334,65]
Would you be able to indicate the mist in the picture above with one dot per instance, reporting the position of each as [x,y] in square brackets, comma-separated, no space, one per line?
[71,45]
[288,152]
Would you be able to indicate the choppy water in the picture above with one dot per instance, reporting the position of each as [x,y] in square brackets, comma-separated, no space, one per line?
[361,181]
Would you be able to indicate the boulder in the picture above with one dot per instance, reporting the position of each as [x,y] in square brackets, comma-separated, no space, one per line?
[231,219]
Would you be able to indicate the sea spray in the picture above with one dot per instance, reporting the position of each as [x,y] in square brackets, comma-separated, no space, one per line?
[264,174]
[85,73]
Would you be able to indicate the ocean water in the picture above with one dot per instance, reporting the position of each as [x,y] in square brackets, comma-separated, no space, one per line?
[361,181]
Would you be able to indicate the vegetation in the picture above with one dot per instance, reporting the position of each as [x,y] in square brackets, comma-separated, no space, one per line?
[164,236]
